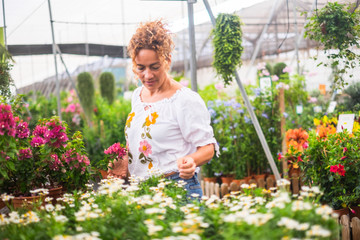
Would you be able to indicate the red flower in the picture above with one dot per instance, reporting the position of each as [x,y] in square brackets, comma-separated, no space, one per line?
[338,169]
[343,157]
[345,149]
[280,156]
[299,159]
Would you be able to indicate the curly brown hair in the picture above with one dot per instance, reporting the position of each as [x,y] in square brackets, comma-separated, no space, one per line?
[151,35]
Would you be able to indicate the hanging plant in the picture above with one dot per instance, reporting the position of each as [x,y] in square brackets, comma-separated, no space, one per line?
[336,27]
[227,40]
[6,82]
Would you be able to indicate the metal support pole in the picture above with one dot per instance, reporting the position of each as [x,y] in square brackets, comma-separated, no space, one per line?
[55,60]
[193,66]
[4,19]
[251,111]
[258,43]
[296,37]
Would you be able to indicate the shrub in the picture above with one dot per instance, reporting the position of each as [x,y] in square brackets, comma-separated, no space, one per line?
[85,86]
[107,86]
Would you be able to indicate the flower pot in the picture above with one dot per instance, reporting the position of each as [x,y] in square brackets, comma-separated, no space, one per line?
[103,173]
[55,193]
[247,179]
[210,179]
[25,202]
[2,204]
[227,180]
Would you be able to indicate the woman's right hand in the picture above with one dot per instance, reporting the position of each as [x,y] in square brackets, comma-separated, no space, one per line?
[119,168]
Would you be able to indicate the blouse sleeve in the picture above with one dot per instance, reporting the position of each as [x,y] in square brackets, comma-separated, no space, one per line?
[194,121]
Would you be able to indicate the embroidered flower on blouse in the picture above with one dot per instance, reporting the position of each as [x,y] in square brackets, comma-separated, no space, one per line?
[149,121]
[145,148]
[129,119]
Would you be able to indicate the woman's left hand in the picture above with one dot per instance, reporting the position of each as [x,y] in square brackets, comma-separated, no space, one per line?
[186,167]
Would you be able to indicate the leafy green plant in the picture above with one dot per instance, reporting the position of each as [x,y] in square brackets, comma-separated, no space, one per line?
[332,163]
[227,43]
[335,26]
[5,78]
[85,86]
[107,86]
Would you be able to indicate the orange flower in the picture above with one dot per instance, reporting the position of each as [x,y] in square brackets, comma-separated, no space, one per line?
[324,131]
[154,116]
[129,119]
[296,138]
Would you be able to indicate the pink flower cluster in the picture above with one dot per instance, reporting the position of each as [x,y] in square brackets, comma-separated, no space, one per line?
[55,162]
[338,169]
[7,122]
[22,130]
[75,160]
[116,150]
[25,153]
[53,133]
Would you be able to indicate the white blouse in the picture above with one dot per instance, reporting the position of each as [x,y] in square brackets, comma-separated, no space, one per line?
[159,133]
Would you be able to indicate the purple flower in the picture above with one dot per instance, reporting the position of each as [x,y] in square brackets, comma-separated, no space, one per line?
[247,120]
[264,115]
[7,122]
[37,142]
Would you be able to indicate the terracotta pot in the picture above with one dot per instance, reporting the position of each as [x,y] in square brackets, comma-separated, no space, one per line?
[210,179]
[342,211]
[237,181]
[227,180]
[247,179]
[259,176]
[104,173]
[55,193]
[25,202]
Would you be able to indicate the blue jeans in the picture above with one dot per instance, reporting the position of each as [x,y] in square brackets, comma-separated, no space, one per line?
[192,185]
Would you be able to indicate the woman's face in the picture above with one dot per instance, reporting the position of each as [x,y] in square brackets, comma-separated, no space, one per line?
[151,71]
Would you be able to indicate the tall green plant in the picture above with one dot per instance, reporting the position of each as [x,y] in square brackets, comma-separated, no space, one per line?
[107,86]
[85,86]
[227,43]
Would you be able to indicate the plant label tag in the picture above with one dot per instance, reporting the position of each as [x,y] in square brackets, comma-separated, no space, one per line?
[317,109]
[299,109]
[331,107]
[346,121]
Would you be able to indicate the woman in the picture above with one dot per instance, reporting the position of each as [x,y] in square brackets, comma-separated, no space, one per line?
[168,128]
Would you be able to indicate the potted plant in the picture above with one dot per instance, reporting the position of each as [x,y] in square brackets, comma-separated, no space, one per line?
[209,170]
[113,154]
[332,162]
[336,27]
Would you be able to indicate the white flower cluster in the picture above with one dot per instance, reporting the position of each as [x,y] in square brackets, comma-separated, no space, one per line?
[80,236]
[16,218]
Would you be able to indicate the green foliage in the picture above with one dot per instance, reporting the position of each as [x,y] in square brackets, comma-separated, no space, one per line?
[321,159]
[227,43]
[5,66]
[107,86]
[335,27]
[85,86]
[352,101]
[157,209]
[109,124]
[278,69]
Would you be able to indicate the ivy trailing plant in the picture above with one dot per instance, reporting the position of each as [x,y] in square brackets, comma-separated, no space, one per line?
[336,27]
[227,41]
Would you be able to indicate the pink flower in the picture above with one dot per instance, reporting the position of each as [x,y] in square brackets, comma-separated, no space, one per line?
[305,145]
[22,130]
[287,69]
[219,86]
[280,156]
[71,108]
[7,121]
[37,142]
[116,150]
[25,153]
[342,158]
[265,72]
[145,148]
[274,78]
[55,163]
[345,149]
